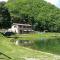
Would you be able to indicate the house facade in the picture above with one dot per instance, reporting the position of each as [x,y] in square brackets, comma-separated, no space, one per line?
[21,28]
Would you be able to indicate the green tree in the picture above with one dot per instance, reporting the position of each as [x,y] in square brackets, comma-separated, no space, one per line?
[46,15]
[5,20]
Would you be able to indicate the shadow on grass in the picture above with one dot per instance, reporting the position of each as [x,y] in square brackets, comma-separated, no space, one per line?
[5,56]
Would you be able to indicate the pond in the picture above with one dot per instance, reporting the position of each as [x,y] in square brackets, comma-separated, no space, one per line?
[24,42]
[46,43]
[51,45]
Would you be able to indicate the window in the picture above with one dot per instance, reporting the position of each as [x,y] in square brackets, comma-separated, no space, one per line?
[20,26]
[28,26]
[24,26]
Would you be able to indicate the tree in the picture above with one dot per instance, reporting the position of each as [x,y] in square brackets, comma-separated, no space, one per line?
[37,11]
[5,22]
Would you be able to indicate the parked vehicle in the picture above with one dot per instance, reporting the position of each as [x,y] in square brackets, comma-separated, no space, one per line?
[8,33]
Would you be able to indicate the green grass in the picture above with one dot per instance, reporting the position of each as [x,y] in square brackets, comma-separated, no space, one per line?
[20,52]
[36,36]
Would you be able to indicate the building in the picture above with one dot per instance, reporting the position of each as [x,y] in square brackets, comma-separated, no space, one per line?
[21,28]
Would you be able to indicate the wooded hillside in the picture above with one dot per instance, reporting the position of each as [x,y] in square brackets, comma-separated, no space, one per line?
[41,14]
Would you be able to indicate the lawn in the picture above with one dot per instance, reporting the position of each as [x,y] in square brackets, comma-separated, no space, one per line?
[10,51]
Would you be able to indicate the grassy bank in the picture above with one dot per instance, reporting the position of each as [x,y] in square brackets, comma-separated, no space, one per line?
[20,52]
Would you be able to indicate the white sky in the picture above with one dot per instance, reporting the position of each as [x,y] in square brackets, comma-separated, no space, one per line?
[3,0]
[54,2]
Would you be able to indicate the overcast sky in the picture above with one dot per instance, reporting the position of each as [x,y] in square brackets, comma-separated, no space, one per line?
[3,0]
[54,2]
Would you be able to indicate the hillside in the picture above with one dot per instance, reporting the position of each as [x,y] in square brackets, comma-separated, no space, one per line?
[43,45]
[36,11]
[9,51]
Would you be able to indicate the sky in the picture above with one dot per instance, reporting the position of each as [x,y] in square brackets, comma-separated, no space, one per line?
[3,0]
[54,2]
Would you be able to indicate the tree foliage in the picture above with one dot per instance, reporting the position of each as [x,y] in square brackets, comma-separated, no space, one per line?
[5,19]
[36,11]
